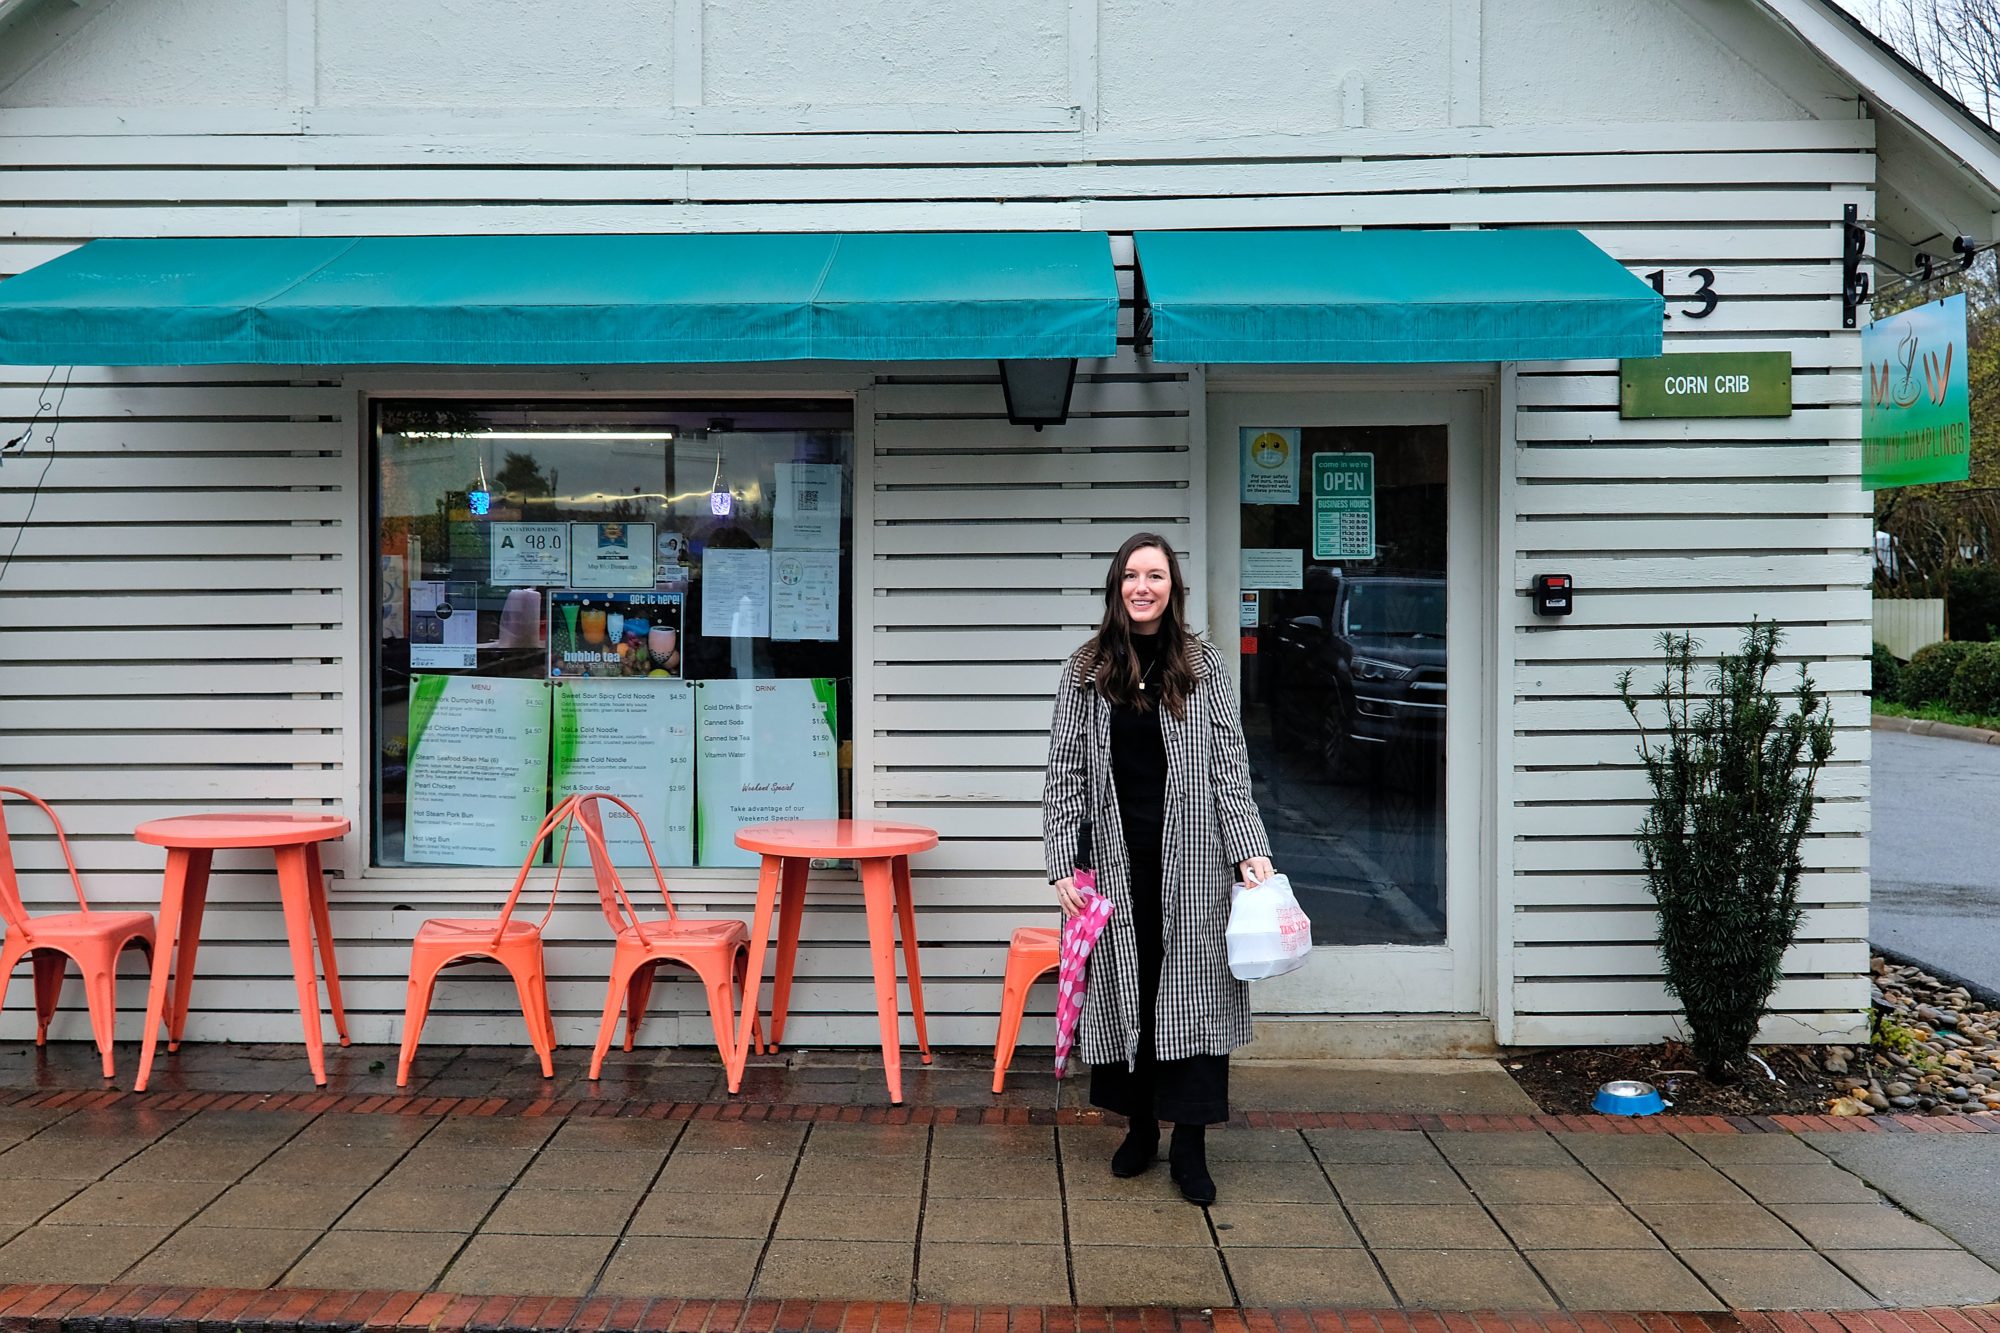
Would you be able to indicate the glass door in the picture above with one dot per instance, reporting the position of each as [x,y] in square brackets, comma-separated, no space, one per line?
[1350,529]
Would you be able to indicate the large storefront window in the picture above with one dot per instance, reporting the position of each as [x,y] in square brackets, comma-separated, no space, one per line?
[650,599]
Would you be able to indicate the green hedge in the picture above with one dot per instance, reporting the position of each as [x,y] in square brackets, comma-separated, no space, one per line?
[1885,677]
[1975,686]
[1928,677]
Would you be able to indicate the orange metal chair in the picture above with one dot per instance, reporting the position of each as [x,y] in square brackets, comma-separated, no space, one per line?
[442,942]
[1033,952]
[717,949]
[93,939]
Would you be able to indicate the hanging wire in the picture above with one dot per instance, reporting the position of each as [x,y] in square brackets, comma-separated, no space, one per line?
[19,445]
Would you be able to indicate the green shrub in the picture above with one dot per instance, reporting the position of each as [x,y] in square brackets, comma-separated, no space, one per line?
[1885,676]
[1732,769]
[1927,679]
[1972,602]
[1975,686]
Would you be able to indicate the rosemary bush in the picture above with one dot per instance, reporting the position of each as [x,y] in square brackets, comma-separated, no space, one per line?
[1732,777]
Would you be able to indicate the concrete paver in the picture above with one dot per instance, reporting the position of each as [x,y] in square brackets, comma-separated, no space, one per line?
[135,1203]
[376,1260]
[1795,1183]
[1926,1277]
[1150,1275]
[1410,1183]
[1036,1221]
[529,1212]
[395,1207]
[1622,1280]
[991,1273]
[260,1204]
[703,1269]
[1877,1226]
[1164,1222]
[997,1178]
[1405,1226]
[1947,1180]
[1465,1279]
[890,1217]
[1497,1184]
[76,1254]
[1776,1280]
[1737,1225]
[672,1212]
[198,1256]
[1696,1183]
[495,1265]
[1315,1225]
[1573,1226]
[866,1270]
[1346,1278]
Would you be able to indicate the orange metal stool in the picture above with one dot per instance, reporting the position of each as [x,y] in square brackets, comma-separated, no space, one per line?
[1031,955]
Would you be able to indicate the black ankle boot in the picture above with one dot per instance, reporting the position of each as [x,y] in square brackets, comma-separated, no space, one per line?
[1187,1160]
[1141,1146]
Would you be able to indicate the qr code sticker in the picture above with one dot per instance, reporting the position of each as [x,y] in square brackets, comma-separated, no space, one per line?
[809,497]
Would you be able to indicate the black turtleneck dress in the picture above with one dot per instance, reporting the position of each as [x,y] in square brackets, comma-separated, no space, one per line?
[1194,1091]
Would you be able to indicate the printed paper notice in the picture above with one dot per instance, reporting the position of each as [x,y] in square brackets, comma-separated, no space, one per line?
[764,751]
[1265,567]
[479,768]
[1270,465]
[529,555]
[805,595]
[444,626]
[807,516]
[735,594]
[634,739]
[611,555]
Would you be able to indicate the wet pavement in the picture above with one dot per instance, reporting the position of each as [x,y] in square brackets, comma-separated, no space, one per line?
[493,1182]
[1936,853]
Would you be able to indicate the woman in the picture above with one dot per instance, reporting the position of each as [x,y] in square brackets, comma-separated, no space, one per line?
[1147,749]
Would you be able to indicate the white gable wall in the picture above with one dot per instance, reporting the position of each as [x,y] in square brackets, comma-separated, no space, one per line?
[218,519]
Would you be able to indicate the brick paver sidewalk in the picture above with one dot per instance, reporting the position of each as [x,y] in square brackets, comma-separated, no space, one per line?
[671,1202]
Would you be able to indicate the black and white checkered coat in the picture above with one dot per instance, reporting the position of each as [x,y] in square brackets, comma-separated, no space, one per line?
[1211,825]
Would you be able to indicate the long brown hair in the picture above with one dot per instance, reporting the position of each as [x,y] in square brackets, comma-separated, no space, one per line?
[1112,664]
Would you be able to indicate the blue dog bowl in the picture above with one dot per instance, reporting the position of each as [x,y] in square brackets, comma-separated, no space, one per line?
[1628,1096]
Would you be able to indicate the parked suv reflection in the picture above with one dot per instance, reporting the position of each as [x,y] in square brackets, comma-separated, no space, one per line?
[1366,672]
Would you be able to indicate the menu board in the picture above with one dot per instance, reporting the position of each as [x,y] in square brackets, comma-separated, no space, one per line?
[764,751]
[479,768]
[634,739]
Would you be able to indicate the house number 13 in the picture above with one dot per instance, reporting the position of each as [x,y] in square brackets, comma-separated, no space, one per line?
[1705,293]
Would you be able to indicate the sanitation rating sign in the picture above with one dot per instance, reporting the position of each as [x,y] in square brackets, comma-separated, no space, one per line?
[1343,506]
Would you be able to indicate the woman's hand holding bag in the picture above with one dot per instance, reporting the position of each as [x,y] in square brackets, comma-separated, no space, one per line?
[1269,934]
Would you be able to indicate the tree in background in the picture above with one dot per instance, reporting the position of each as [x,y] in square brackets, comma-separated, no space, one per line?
[1947,536]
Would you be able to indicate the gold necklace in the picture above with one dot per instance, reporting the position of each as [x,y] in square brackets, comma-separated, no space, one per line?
[1146,675]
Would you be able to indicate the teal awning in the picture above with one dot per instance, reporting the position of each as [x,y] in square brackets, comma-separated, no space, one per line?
[1390,296]
[565,300]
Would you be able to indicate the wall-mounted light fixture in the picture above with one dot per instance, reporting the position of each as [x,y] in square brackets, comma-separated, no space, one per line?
[1038,390]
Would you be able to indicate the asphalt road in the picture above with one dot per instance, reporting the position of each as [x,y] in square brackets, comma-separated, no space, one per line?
[1937,853]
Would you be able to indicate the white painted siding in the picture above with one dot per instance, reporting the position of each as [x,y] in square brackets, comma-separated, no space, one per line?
[196,560]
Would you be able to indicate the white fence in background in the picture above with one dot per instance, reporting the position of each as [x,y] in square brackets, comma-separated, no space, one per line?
[1906,624]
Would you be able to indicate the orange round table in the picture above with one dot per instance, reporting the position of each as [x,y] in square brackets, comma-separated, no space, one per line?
[882,851]
[191,842]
